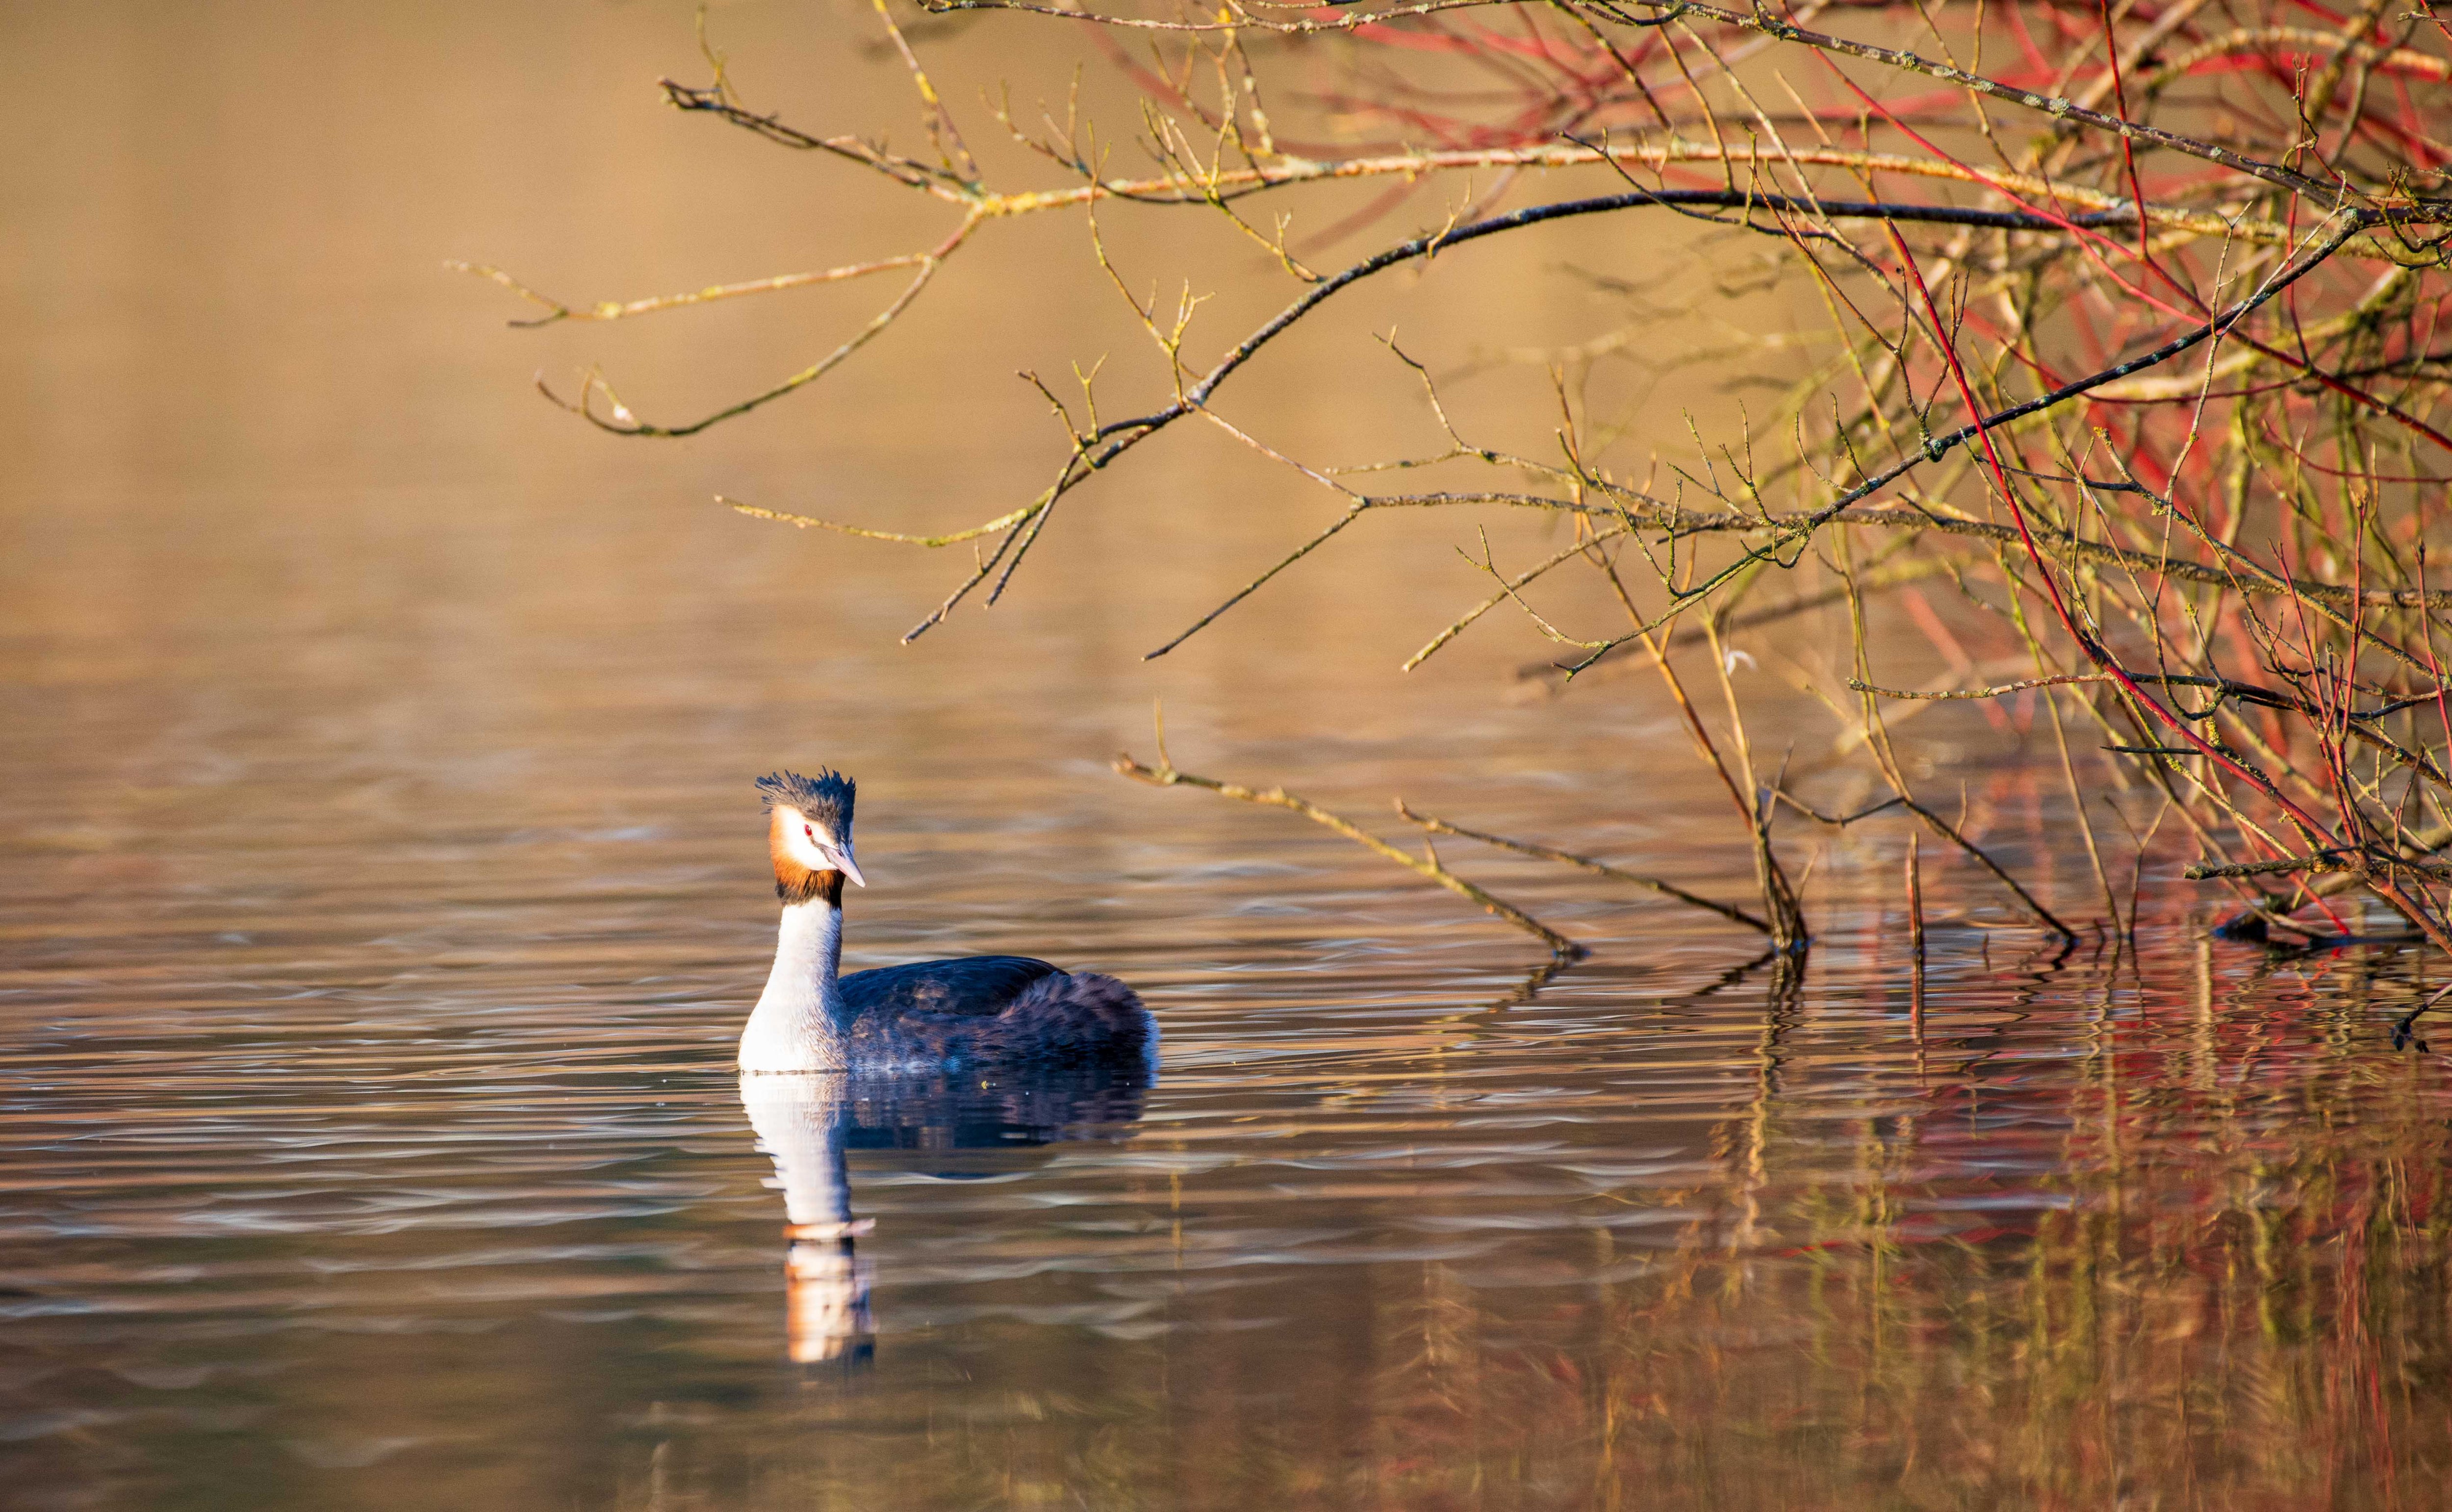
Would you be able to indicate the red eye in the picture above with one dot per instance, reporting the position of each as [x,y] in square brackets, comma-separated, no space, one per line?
[810,832]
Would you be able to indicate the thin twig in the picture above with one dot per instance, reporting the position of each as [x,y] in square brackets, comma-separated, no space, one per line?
[1440,826]
[1164,775]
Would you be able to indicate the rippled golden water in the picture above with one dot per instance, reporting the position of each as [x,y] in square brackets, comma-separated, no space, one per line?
[381,891]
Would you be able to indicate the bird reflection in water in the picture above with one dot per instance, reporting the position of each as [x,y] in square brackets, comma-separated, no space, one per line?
[807,1121]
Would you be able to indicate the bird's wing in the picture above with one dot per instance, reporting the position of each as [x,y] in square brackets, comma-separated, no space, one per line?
[980,985]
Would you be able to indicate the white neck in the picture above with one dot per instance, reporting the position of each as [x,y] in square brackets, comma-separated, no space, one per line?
[797,1024]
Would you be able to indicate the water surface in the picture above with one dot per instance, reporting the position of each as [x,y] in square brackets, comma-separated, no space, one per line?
[381,891]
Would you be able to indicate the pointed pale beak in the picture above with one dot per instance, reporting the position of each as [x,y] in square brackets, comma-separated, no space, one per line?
[845,864]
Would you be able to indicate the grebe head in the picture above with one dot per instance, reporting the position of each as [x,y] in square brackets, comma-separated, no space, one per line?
[810,833]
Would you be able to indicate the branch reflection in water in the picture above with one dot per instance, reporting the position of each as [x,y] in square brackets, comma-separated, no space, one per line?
[808,1121]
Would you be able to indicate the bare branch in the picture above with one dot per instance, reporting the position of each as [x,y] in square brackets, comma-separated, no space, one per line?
[1164,775]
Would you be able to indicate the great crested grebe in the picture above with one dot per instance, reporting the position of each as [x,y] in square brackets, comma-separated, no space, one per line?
[926,1015]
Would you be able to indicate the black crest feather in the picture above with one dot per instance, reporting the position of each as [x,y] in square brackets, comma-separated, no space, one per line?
[825,798]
